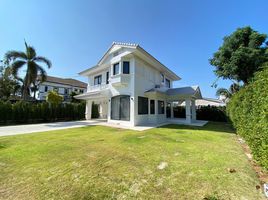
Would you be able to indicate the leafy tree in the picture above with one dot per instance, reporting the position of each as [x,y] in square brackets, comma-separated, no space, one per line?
[241,55]
[54,98]
[8,84]
[29,58]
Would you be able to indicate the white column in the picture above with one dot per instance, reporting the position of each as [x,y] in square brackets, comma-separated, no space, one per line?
[188,110]
[109,110]
[171,110]
[88,109]
[193,108]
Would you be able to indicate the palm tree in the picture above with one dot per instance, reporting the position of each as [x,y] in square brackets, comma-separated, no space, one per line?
[29,58]
[235,87]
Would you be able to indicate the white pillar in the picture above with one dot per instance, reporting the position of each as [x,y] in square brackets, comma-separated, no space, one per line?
[88,109]
[193,108]
[188,110]
[171,110]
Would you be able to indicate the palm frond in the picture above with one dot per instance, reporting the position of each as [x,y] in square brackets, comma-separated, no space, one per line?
[15,66]
[223,91]
[13,55]
[31,53]
[42,73]
[44,60]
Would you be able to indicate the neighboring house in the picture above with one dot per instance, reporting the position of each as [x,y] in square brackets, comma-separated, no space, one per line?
[133,88]
[64,86]
[208,102]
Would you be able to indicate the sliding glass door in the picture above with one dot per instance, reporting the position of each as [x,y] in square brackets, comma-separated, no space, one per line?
[120,107]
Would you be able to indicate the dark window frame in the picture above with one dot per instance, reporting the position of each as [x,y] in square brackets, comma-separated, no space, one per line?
[126,68]
[143,106]
[98,80]
[107,77]
[163,78]
[161,107]
[152,106]
[167,83]
[46,88]
[116,69]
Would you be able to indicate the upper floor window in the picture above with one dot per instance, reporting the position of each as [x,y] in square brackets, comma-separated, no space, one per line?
[46,88]
[81,91]
[125,67]
[167,83]
[142,105]
[107,77]
[116,69]
[162,78]
[97,80]
[65,91]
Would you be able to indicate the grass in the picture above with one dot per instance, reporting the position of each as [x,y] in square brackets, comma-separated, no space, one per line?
[98,162]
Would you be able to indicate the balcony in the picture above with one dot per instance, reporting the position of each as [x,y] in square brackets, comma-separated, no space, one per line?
[95,88]
[119,80]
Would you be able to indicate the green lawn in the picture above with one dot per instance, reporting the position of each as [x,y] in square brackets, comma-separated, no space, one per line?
[107,163]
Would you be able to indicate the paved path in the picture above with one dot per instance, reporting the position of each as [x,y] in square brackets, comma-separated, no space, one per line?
[32,128]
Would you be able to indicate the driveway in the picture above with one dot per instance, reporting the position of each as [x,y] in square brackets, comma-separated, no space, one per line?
[32,128]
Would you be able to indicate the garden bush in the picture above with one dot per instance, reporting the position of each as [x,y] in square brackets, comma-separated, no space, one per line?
[210,113]
[28,112]
[248,110]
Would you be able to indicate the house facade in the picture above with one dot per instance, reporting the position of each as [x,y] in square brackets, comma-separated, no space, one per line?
[133,88]
[64,86]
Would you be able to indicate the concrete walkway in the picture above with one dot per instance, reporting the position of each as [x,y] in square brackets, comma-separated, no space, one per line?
[33,128]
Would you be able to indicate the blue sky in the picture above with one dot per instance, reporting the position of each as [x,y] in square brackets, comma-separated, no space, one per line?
[183,35]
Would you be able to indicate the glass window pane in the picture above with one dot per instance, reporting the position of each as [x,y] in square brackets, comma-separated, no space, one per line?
[125,67]
[142,105]
[152,107]
[116,69]
[161,107]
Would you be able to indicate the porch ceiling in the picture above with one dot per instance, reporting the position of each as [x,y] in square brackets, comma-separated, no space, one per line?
[91,95]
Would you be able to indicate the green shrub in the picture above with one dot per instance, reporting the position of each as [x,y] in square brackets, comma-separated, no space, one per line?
[248,110]
[210,113]
[28,112]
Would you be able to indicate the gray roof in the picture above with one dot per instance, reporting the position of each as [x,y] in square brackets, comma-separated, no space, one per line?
[185,91]
[190,90]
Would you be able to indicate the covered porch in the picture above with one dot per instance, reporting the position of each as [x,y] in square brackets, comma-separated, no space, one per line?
[101,102]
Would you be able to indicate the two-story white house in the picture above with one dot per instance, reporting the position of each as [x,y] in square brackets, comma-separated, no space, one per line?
[134,88]
[64,86]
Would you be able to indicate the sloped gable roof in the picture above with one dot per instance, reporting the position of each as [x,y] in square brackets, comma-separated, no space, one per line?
[66,81]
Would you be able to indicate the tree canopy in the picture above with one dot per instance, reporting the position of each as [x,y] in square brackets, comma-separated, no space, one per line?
[241,55]
[18,59]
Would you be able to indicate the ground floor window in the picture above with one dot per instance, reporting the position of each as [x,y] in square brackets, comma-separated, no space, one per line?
[152,107]
[120,107]
[161,107]
[142,105]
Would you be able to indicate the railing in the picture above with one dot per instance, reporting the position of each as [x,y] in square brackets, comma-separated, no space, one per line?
[93,88]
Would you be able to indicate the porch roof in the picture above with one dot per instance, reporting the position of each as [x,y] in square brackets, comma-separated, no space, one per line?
[185,92]
[91,95]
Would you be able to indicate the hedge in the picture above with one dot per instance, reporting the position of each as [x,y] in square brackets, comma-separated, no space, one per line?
[26,112]
[248,111]
[210,113]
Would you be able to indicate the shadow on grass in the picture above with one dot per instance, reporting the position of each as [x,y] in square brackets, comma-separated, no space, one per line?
[210,126]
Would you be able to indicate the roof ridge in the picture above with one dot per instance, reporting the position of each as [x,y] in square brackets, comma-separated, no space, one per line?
[125,44]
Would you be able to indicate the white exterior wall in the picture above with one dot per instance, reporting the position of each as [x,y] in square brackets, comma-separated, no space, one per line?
[146,78]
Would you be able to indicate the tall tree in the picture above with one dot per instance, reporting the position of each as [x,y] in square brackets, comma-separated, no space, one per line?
[18,60]
[241,55]
[8,84]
